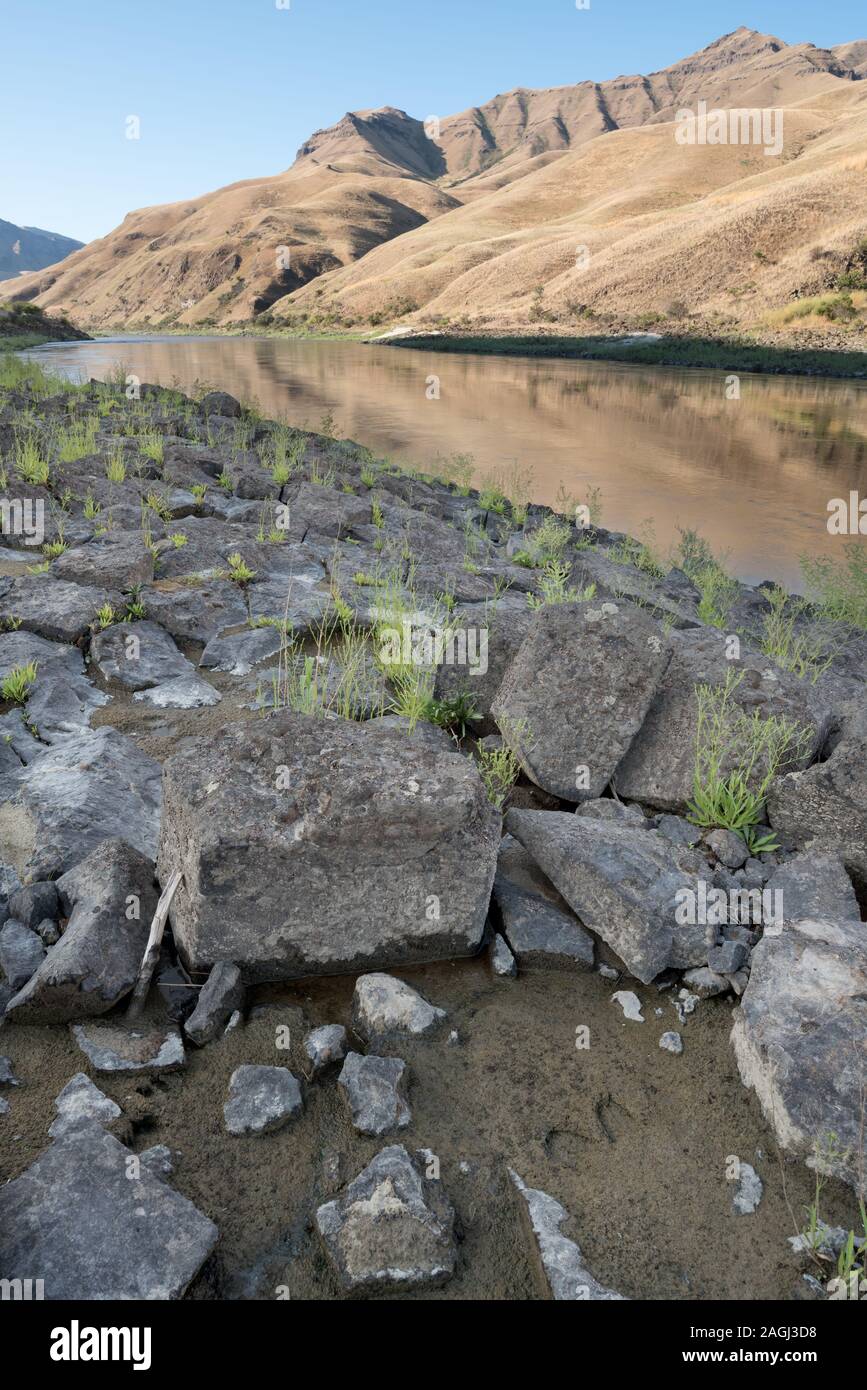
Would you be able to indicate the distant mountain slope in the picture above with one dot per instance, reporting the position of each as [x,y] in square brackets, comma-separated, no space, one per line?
[382,218]
[29,248]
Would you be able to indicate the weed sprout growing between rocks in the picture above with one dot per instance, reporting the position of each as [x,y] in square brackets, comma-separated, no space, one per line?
[737,757]
[18,683]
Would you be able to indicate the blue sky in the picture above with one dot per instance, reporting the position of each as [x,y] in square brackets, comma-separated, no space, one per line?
[228,89]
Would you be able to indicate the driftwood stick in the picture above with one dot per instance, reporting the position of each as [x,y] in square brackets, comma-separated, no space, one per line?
[152,950]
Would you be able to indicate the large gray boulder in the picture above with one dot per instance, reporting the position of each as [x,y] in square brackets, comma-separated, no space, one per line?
[59,807]
[316,846]
[576,694]
[800,1039]
[392,1228]
[825,807]
[659,768]
[79,1220]
[621,882]
[110,899]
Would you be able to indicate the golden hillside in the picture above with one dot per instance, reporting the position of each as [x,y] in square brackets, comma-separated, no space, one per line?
[538,207]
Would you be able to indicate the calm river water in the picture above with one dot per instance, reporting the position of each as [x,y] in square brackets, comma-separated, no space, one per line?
[666,446]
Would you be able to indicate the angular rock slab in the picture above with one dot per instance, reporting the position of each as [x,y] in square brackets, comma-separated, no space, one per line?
[815,885]
[58,808]
[621,882]
[97,959]
[111,1048]
[222,993]
[92,1232]
[575,695]
[374,1090]
[61,699]
[825,808]
[80,1102]
[312,847]
[138,656]
[392,1228]
[800,1039]
[539,927]
[562,1264]
[659,768]
[54,608]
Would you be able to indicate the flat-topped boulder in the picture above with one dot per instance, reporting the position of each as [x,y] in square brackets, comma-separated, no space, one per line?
[313,846]
[54,608]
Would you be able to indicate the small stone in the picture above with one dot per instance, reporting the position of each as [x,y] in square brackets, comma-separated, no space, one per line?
[33,903]
[382,1005]
[261,1099]
[48,932]
[157,1160]
[608,972]
[325,1046]
[7,1075]
[685,1004]
[80,1102]
[671,1042]
[4,1106]
[678,830]
[503,963]
[21,953]
[222,993]
[705,982]
[373,1088]
[111,1048]
[454,1038]
[729,848]
[749,1192]
[739,981]
[629,1003]
[392,1228]
[727,958]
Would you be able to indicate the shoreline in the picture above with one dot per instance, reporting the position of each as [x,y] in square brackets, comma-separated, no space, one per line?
[626,349]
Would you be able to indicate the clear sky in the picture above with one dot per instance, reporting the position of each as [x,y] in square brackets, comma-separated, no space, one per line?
[228,89]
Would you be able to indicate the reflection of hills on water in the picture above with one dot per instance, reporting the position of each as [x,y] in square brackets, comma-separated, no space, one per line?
[754,475]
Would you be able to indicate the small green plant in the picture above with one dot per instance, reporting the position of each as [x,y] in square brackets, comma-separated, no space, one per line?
[851,1264]
[91,507]
[152,446]
[179,539]
[641,553]
[839,588]
[239,572]
[225,481]
[105,616]
[376,514]
[52,549]
[454,712]
[717,590]
[78,440]
[554,588]
[115,468]
[737,757]
[806,655]
[18,683]
[30,463]
[499,767]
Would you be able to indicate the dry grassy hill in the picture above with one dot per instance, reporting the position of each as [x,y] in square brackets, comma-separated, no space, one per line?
[538,207]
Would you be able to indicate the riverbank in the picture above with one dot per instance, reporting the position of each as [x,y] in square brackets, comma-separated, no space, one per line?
[215,641]
[723,354]
[24,325]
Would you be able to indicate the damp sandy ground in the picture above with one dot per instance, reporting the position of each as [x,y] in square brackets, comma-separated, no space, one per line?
[632,1140]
